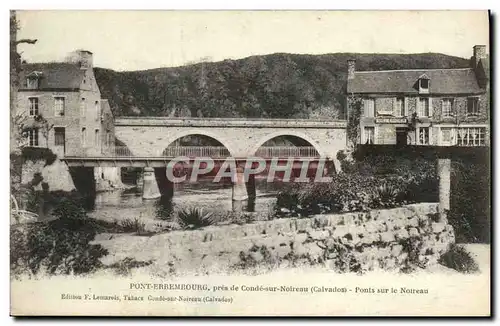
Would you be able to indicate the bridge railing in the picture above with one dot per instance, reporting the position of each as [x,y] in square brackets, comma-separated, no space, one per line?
[196,151]
[117,151]
[218,151]
[287,151]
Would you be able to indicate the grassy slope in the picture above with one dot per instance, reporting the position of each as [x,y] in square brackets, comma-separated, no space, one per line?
[275,86]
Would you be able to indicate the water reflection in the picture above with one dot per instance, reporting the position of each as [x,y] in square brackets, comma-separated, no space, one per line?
[205,194]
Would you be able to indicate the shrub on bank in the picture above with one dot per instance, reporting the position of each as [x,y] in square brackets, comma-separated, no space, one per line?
[61,246]
[351,192]
[459,259]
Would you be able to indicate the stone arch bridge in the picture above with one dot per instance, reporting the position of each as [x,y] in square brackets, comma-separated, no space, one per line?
[149,136]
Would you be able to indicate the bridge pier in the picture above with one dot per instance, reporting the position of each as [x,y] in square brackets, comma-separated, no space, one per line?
[85,184]
[150,186]
[239,194]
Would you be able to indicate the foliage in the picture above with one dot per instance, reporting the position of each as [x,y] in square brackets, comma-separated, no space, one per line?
[194,218]
[44,126]
[61,246]
[470,207]
[342,257]
[38,154]
[459,259]
[271,86]
[354,107]
[413,247]
[124,266]
[164,208]
[133,225]
[257,256]
[356,191]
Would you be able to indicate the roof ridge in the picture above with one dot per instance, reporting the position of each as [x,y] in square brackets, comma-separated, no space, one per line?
[435,69]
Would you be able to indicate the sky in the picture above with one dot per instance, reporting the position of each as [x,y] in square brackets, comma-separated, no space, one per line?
[138,40]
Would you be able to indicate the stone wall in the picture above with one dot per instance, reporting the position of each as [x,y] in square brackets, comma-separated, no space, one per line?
[388,239]
[56,175]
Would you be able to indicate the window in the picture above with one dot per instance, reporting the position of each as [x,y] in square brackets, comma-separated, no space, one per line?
[446,136]
[82,107]
[423,107]
[400,107]
[423,85]
[33,137]
[447,107]
[369,107]
[32,82]
[96,137]
[84,137]
[59,136]
[33,106]
[423,136]
[97,110]
[473,106]
[369,135]
[471,136]
[59,106]
[108,138]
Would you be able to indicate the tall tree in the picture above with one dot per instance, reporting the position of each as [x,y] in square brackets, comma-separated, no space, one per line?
[15,70]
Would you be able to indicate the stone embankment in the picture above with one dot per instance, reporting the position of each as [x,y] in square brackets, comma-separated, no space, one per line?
[380,239]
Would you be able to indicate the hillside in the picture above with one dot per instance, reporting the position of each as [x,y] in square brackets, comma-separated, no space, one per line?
[271,86]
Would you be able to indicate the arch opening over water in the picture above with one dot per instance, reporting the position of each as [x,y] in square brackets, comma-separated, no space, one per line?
[287,146]
[196,145]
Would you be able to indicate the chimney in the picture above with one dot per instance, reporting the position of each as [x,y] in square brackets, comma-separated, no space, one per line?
[479,53]
[351,68]
[81,57]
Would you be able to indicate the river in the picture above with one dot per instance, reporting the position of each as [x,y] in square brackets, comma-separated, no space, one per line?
[128,204]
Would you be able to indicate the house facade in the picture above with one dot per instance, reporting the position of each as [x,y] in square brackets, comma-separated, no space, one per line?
[76,121]
[439,107]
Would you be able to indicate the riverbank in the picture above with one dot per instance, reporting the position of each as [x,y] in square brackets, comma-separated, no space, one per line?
[436,292]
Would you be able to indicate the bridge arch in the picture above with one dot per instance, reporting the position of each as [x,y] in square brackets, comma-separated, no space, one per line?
[294,133]
[202,132]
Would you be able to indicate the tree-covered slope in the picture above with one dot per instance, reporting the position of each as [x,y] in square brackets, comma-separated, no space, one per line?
[270,86]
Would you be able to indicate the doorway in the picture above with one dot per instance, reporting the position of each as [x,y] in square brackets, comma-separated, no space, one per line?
[401,136]
[60,139]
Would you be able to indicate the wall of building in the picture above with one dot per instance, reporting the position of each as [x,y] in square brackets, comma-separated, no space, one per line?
[385,133]
[70,121]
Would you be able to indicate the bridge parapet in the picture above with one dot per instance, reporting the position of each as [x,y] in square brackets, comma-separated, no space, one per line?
[213,152]
[230,122]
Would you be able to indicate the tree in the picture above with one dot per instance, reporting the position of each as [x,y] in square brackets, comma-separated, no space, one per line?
[15,70]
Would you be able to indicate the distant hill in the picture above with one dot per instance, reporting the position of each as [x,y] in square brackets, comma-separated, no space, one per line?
[278,85]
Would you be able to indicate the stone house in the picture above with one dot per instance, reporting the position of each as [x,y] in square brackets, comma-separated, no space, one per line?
[439,107]
[66,95]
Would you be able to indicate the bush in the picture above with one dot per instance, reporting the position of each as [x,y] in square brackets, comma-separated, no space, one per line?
[61,246]
[350,192]
[459,259]
[194,218]
[135,225]
[124,266]
[38,154]
[470,213]
[164,208]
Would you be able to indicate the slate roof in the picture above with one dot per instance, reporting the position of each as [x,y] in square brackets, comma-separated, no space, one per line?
[442,81]
[54,75]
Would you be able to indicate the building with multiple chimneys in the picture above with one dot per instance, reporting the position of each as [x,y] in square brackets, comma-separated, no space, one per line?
[440,107]
[78,121]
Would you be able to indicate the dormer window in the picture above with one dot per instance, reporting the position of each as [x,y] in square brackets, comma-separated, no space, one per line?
[423,84]
[32,80]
